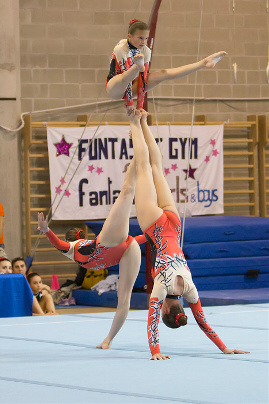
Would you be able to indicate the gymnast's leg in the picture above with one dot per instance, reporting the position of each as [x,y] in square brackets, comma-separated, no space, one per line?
[116,227]
[164,196]
[145,193]
[159,76]
[128,270]
[118,84]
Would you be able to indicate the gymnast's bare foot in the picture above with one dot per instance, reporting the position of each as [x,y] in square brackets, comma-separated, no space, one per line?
[133,114]
[144,114]
[105,344]
[212,60]
[139,62]
[130,110]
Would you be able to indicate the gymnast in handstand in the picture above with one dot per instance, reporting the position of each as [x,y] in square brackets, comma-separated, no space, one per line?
[112,246]
[129,67]
[159,220]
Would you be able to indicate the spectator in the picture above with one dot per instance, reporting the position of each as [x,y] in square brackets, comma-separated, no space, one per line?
[19,266]
[5,266]
[42,294]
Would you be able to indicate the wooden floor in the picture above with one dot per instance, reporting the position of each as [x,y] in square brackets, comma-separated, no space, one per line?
[83,310]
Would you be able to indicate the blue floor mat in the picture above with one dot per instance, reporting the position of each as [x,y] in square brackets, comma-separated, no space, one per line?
[53,359]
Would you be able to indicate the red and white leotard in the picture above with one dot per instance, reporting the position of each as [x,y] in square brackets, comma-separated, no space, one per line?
[122,59]
[90,253]
[168,261]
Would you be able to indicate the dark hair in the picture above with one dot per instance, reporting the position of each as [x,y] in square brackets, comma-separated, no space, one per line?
[170,319]
[4,259]
[74,234]
[31,275]
[135,25]
[17,259]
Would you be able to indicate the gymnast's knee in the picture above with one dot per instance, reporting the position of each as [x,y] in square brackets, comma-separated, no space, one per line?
[127,190]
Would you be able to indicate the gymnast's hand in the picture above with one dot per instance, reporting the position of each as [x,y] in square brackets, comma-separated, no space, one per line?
[42,223]
[134,116]
[159,357]
[212,60]
[234,351]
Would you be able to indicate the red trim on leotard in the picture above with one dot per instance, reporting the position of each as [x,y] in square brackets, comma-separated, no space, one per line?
[140,239]
[153,321]
[199,316]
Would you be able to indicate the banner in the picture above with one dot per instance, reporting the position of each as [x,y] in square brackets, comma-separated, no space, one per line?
[86,175]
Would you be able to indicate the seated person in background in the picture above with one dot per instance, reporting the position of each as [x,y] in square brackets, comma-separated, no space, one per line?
[5,266]
[42,295]
[19,266]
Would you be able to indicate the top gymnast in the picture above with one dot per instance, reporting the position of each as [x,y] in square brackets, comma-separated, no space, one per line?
[159,220]
[112,246]
[129,67]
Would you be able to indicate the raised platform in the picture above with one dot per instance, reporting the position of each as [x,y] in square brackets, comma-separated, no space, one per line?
[85,297]
[228,257]
[208,298]
[227,252]
[234,296]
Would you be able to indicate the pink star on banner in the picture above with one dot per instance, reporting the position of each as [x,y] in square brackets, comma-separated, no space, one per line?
[191,172]
[207,159]
[91,168]
[62,181]
[67,193]
[215,152]
[99,170]
[167,171]
[213,142]
[63,147]
[58,190]
[174,167]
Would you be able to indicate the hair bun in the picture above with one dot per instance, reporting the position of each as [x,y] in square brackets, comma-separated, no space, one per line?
[132,21]
[77,235]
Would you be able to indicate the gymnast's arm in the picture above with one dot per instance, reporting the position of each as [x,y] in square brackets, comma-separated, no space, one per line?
[155,304]
[37,311]
[199,316]
[55,241]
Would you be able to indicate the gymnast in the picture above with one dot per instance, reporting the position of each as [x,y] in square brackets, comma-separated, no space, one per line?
[129,67]
[112,246]
[159,220]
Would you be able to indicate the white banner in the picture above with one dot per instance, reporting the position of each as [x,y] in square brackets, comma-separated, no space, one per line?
[86,175]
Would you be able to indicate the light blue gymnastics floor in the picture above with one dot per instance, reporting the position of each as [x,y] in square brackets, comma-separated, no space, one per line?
[53,360]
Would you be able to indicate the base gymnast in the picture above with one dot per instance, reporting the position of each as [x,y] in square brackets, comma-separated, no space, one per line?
[112,246]
[129,67]
[159,220]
